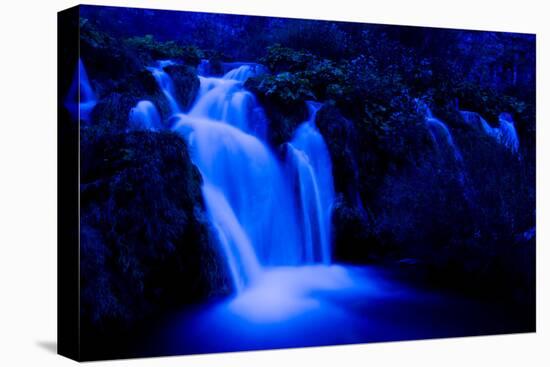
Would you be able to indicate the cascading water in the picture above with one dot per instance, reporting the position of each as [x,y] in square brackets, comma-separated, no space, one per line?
[81,99]
[165,83]
[443,139]
[507,134]
[144,116]
[439,130]
[504,134]
[309,161]
[266,213]
[225,99]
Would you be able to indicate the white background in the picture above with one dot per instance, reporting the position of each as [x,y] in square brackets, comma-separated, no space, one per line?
[28,183]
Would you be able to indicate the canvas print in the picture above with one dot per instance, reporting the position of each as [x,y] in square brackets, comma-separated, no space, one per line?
[234,183]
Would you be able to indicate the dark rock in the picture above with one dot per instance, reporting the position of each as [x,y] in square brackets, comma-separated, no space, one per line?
[112,111]
[341,136]
[143,227]
[186,83]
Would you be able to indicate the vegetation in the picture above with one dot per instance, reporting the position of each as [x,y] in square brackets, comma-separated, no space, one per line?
[401,198]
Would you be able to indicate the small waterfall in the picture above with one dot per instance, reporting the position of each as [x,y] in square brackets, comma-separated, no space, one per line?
[444,140]
[165,83]
[245,195]
[81,99]
[260,217]
[439,131]
[504,134]
[225,99]
[145,116]
[241,73]
[310,163]
[507,134]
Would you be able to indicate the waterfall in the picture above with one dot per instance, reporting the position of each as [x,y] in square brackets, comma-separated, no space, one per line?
[310,163]
[439,131]
[81,99]
[145,116]
[443,139]
[504,134]
[225,99]
[165,83]
[265,212]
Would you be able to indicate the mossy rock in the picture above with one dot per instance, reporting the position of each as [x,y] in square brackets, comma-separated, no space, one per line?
[112,112]
[144,225]
[186,83]
[105,58]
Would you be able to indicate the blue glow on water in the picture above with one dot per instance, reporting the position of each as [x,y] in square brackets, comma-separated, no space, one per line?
[439,131]
[504,134]
[309,163]
[265,212]
[271,212]
[286,306]
[282,292]
[145,116]
[315,305]
[165,83]
[81,98]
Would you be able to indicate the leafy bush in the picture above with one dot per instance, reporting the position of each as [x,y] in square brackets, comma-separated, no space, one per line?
[285,88]
[279,58]
[328,79]
[151,49]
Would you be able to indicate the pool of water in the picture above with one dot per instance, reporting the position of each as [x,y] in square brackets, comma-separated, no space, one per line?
[328,305]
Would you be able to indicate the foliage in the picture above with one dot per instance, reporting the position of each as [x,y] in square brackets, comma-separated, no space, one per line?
[488,102]
[279,58]
[152,49]
[286,88]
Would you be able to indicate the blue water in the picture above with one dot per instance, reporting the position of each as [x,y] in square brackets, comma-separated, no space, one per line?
[320,305]
[81,98]
[165,83]
[440,132]
[145,116]
[505,133]
[266,210]
[272,217]
[310,168]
